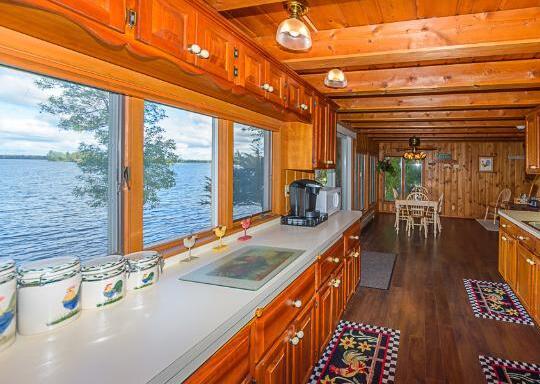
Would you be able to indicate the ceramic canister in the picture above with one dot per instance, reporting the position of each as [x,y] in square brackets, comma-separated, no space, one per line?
[103,281]
[48,294]
[143,269]
[8,303]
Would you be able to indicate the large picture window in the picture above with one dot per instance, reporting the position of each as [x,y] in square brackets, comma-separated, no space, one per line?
[407,174]
[59,167]
[252,171]
[178,154]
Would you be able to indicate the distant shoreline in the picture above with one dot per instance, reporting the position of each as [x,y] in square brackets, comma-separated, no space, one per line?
[38,157]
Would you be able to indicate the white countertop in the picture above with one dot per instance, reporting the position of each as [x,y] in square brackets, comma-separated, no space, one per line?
[518,218]
[164,333]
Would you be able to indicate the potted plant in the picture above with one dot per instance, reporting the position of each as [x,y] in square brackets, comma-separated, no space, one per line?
[385,166]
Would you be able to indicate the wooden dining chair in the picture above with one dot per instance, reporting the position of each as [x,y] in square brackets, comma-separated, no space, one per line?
[401,214]
[416,215]
[417,196]
[420,188]
[433,216]
[503,200]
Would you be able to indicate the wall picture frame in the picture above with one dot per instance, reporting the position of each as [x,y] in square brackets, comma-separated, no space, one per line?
[485,163]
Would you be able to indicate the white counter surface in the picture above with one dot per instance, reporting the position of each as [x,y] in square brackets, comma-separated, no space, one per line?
[164,333]
[518,218]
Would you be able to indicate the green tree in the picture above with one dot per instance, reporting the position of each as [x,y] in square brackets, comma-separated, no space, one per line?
[84,109]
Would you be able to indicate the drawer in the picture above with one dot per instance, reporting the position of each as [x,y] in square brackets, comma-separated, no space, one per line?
[329,261]
[351,237]
[526,239]
[273,319]
[509,227]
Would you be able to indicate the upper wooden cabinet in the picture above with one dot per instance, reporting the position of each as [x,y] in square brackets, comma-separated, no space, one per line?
[253,72]
[109,13]
[275,79]
[293,89]
[532,143]
[168,26]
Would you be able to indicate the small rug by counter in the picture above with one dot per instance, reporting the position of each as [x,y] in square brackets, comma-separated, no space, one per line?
[497,301]
[377,269]
[502,371]
[489,225]
[358,353]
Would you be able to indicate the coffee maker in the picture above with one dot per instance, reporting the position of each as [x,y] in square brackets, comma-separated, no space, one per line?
[303,200]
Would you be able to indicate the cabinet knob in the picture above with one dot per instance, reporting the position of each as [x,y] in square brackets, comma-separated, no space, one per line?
[300,334]
[523,238]
[195,49]
[504,238]
[503,225]
[336,283]
[356,254]
[204,54]
[270,89]
[265,86]
[303,107]
[294,341]
[354,237]
[333,259]
[297,303]
[533,166]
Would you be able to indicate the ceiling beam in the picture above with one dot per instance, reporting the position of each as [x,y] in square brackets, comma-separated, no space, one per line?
[419,132]
[474,35]
[475,114]
[518,74]
[437,124]
[479,100]
[437,138]
[227,5]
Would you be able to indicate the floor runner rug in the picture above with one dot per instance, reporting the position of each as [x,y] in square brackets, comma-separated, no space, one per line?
[377,269]
[491,300]
[358,353]
[502,371]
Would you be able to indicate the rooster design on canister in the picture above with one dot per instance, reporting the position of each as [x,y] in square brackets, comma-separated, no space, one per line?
[71,298]
[7,316]
[112,291]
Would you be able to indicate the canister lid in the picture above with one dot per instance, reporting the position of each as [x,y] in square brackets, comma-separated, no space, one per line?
[48,270]
[143,260]
[104,264]
[7,266]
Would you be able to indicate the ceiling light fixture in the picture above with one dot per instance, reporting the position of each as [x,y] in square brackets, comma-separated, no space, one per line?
[414,154]
[292,33]
[335,78]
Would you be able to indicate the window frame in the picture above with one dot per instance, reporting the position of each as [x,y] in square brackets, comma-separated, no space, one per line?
[402,192]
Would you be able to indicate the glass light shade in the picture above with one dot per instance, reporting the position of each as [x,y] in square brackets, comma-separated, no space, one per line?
[335,78]
[294,35]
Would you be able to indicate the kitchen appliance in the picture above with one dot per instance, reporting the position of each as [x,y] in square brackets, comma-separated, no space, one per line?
[303,201]
[329,200]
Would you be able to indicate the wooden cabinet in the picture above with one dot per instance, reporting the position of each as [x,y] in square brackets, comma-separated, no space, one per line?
[275,78]
[293,90]
[304,353]
[111,14]
[338,296]
[325,321]
[525,276]
[507,258]
[532,143]
[253,73]
[230,365]
[275,366]
[168,26]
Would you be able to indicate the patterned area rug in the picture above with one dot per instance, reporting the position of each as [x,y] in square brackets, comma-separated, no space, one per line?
[501,371]
[491,300]
[357,354]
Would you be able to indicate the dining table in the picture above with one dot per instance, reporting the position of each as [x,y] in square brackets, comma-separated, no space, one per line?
[399,203]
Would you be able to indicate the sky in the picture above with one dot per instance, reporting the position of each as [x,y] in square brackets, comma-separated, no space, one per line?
[26,131]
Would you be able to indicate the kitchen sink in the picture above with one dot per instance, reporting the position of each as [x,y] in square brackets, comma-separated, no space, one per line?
[247,268]
[534,224]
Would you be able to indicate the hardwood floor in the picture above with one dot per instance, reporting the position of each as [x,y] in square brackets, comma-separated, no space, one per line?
[440,337]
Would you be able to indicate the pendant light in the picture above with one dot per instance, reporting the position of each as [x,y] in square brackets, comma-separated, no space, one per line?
[335,78]
[292,33]
[414,154]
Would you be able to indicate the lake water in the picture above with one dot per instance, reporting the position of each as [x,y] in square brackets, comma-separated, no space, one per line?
[40,216]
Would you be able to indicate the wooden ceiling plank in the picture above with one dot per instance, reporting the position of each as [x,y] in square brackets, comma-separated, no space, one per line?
[479,100]
[452,37]
[475,114]
[436,124]
[516,74]
[227,5]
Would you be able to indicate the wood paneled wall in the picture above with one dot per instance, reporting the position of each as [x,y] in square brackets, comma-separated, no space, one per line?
[466,190]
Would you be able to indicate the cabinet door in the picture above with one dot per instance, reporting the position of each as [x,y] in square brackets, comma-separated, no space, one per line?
[303,353]
[111,14]
[524,276]
[319,133]
[510,268]
[293,95]
[503,252]
[331,133]
[275,78]
[536,293]
[274,367]
[306,102]
[350,281]
[220,46]
[324,317]
[253,72]
[532,143]
[169,26]
[338,297]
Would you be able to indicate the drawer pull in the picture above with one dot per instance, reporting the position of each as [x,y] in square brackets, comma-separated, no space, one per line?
[335,283]
[294,341]
[522,238]
[333,259]
[531,262]
[300,334]
[356,254]
[354,237]
[195,49]
[504,238]
[204,54]
[533,167]
[503,225]
[297,303]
